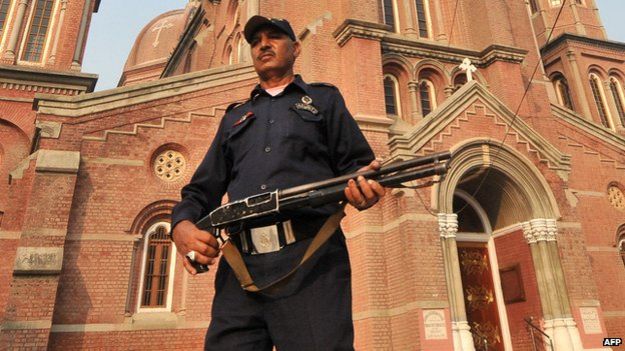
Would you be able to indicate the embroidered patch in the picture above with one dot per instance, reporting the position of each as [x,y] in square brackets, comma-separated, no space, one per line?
[310,108]
[244,118]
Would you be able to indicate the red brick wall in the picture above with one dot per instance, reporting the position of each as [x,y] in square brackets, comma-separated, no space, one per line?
[512,249]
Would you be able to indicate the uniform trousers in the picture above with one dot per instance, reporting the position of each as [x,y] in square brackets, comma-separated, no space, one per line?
[312,312]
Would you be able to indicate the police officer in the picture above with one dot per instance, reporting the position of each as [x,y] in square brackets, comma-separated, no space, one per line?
[288,133]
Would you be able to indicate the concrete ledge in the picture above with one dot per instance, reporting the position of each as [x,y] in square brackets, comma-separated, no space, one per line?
[7,235]
[58,161]
[22,325]
[391,312]
[38,260]
[110,327]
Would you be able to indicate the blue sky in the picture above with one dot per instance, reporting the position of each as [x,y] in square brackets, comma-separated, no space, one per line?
[117,24]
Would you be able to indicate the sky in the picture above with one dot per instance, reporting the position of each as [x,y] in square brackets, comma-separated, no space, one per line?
[118,22]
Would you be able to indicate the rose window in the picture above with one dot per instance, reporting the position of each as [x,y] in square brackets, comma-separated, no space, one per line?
[616,197]
[169,165]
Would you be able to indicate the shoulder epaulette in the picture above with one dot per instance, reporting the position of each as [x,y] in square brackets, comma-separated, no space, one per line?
[233,105]
[322,84]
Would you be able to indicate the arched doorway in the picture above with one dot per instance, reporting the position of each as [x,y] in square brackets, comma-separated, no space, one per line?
[486,314]
[497,215]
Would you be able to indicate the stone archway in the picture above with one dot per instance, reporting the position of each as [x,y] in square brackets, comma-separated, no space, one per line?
[515,199]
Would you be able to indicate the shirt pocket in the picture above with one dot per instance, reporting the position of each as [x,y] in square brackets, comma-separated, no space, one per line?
[306,130]
[240,140]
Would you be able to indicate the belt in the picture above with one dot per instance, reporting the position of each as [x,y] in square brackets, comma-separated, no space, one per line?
[272,238]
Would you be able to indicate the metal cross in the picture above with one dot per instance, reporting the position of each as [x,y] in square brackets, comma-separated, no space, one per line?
[468,68]
[159,28]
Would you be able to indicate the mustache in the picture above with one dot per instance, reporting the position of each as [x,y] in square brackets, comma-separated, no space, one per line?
[265,52]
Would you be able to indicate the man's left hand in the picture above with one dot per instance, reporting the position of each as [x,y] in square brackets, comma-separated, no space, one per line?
[363,193]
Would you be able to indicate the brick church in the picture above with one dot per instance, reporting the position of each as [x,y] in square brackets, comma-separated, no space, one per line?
[519,247]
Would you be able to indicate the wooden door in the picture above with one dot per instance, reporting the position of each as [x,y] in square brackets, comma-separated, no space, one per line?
[479,296]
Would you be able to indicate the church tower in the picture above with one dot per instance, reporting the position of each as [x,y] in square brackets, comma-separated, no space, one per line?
[42,45]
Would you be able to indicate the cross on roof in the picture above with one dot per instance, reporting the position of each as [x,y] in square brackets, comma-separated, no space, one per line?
[468,68]
[159,28]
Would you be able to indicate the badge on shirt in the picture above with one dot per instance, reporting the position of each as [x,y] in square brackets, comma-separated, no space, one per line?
[306,105]
[244,118]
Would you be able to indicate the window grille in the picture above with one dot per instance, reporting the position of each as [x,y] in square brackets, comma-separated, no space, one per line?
[156,276]
[39,25]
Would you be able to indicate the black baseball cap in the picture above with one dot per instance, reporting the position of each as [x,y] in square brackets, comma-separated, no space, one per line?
[256,22]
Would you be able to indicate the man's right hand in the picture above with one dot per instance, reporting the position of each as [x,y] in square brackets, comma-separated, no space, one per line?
[189,238]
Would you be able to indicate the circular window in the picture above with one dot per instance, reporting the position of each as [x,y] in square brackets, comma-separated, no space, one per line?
[616,197]
[169,165]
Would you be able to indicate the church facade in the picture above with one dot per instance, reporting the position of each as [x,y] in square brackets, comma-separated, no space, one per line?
[520,246]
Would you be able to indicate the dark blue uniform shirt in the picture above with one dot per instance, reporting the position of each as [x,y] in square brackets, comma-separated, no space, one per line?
[304,134]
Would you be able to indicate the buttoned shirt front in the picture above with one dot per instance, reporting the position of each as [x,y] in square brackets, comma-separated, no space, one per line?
[302,135]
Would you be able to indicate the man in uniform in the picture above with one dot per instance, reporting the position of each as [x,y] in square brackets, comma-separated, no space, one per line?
[287,134]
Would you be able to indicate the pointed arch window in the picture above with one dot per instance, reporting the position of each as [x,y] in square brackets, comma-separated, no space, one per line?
[4,10]
[37,30]
[157,269]
[619,99]
[597,92]
[621,244]
[229,55]
[391,95]
[242,50]
[563,92]
[423,18]
[427,97]
[388,14]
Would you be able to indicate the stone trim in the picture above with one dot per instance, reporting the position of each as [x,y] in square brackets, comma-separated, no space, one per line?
[605,135]
[10,235]
[80,105]
[489,153]
[448,225]
[359,29]
[16,99]
[18,172]
[451,110]
[26,325]
[38,260]
[397,43]
[614,314]
[103,237]
[399,310]
[539,229]
[574,38]
[371,123]
[396,223]
[21,77]
[58,161]
[113,161]
[103,135]
[49,129]
[609,249]
[106,327]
